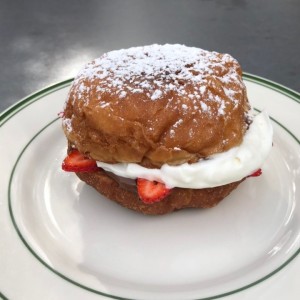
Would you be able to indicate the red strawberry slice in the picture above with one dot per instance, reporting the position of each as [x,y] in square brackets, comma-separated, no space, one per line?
[77,162]
[151,191]
[256,173]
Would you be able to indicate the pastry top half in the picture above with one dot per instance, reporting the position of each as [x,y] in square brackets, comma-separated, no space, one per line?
[155,105]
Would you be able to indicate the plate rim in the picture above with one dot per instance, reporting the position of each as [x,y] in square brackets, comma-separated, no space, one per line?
[23,103]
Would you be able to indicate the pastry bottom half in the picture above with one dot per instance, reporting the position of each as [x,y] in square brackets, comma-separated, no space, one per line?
[124,192]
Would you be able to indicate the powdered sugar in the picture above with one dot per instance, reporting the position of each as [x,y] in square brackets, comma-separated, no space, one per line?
[157,70]
[122,94]
[67,124]
[178,123]
[203,106]
[156,94]
[172,133]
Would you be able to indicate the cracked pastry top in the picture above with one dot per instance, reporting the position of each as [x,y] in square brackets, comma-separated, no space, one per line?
[155,105]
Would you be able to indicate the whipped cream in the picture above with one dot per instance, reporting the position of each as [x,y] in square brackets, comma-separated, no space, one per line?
[219,169]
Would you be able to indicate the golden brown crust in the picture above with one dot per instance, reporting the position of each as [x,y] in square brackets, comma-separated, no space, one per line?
[155,105]
[126,195]
[179,113]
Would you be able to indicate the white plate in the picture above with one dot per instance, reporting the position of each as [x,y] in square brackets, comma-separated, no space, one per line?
[61,240]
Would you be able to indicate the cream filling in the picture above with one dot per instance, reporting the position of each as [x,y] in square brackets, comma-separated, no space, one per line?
[219,169]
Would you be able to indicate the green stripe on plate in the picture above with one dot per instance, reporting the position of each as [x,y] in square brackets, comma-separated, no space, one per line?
[3,297]
[20,105]
[273,85]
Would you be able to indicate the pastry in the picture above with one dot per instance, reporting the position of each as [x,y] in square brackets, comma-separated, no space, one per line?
[163,127]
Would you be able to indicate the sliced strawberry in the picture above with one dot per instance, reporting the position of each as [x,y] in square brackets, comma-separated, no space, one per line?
[151,191]
[77,162]
[256,173]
